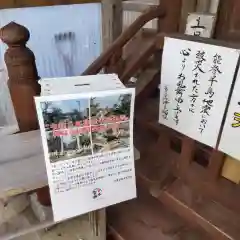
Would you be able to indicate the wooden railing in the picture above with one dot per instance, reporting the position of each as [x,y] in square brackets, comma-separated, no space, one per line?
[111,60]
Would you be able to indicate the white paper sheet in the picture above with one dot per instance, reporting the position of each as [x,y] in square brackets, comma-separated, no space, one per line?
[200,24]
[89,156]
[195,85]
[229,142]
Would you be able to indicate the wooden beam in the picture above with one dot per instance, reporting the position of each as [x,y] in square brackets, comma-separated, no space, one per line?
[112,21]
[40,3]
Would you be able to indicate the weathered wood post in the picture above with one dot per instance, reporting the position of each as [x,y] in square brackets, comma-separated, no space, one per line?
[112,25]
[23,76]
[23,85]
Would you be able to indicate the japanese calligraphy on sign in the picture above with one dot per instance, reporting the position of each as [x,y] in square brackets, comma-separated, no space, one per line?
[88,147]
[200,24]
[195,84]
[229,142]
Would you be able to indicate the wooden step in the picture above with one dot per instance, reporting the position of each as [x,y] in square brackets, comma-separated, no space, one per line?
[155,173]
[137,53]
[146,218]
[212,216]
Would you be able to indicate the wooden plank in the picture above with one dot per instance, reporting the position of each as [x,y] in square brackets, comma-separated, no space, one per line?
[40,3]
[212,216]
[112,21]
[191,216]
[148,219]
[136,6]
[22,166]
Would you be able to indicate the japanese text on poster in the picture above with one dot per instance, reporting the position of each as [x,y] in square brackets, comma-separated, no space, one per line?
[195,85]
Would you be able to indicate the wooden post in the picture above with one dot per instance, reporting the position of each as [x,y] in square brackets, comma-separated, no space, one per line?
[203,6]
[216,162]
[112,21]
[112,24]
[170,23]
[23,85]
[23,76]
[186,154]
[188,6]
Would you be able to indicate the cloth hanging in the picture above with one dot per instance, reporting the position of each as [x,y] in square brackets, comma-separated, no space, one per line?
[8,121]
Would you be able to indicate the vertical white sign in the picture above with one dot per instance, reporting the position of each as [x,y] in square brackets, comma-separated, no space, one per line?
[200,24]
[195,85]
[229,142]
[88,148]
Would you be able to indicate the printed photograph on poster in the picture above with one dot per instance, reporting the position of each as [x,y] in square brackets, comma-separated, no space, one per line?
[110,109]
[111,137]
[67,128]
[88,144]
[70,128]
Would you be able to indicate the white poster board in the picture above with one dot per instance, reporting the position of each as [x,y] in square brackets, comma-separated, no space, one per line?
[195,84]
[200,24]
[88,148]
[229,142]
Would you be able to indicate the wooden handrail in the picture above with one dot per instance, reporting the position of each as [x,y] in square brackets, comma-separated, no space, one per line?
[134,66]
[101,61]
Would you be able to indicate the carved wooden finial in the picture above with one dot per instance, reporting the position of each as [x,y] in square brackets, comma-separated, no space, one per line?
[22,72]
[14,34]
